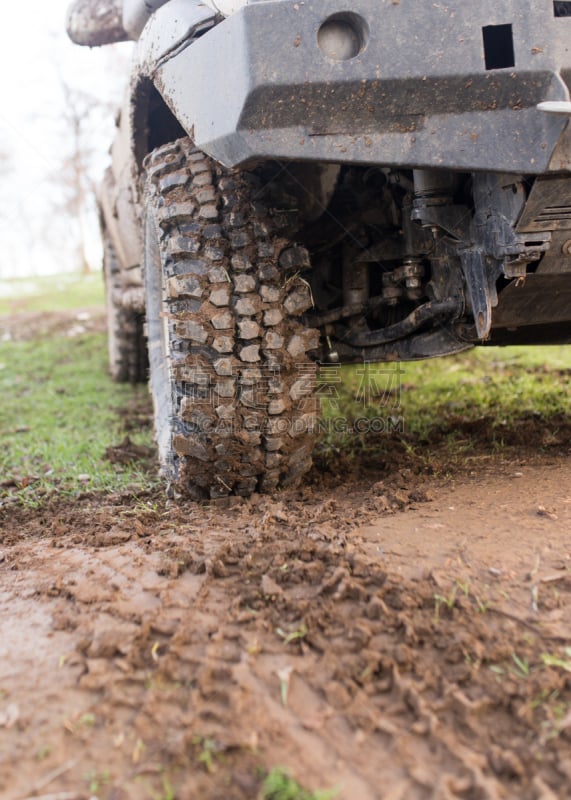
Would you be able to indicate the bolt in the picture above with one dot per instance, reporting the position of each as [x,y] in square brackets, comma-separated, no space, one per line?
[412,283]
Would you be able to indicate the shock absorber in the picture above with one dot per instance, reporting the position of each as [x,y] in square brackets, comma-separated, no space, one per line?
[355,279]
[433,187]
[433,190]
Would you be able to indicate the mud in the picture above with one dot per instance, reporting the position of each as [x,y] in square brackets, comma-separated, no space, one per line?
[399,636]
[398,628]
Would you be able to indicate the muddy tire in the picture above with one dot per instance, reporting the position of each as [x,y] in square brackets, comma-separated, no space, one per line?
[125,337]
[233,386]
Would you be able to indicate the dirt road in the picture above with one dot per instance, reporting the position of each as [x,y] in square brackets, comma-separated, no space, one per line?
[395,637]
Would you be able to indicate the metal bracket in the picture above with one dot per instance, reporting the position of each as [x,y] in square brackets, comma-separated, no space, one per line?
[453,219]
[481,289]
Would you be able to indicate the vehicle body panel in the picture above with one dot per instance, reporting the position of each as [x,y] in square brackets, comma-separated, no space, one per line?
[418,95]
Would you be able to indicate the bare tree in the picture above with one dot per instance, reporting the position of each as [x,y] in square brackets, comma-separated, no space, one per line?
[82,116]
[75,179]
[85,120]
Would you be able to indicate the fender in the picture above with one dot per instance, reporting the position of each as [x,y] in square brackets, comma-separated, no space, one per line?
[145,121]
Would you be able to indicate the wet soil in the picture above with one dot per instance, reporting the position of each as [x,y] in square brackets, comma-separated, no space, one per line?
[395,637]
[384,630]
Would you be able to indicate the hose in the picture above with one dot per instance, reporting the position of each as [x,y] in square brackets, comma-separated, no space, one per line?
[421,315]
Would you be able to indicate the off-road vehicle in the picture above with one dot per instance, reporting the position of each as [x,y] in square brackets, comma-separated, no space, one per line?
[297,182]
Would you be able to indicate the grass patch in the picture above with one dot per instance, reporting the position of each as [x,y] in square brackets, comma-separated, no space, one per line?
[279,785]
[503,385]
[490,398]
[59,415]
[53,293]
[59,407]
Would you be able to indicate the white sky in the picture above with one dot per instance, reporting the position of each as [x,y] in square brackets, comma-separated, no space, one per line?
[35,56]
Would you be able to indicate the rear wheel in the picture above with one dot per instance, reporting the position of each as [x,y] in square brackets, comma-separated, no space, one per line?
[125,337]
[232,383]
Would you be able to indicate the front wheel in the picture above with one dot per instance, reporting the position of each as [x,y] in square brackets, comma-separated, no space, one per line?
[232,383]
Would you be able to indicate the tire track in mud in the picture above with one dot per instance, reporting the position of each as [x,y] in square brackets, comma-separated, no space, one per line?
[197,644]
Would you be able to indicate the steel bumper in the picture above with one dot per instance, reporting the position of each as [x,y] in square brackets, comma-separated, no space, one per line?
[420,93]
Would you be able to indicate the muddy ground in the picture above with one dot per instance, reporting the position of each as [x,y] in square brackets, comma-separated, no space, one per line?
[390,632]
[23,325]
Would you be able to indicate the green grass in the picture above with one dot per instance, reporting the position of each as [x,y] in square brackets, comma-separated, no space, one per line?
[485,396]
[279,785]
[506,384]
[59,407]
[58,416]
[53,293]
